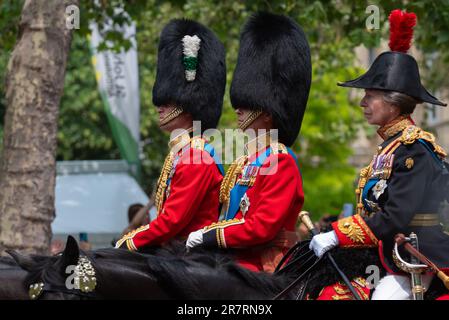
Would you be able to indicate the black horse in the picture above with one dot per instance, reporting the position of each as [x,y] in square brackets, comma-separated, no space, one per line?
[161,273]
[320,273]
[12,278]
[171,273]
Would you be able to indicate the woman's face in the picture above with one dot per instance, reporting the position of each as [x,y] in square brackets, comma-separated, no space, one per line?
[376,110]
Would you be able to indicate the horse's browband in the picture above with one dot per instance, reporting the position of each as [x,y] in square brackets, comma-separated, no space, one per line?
[85,282]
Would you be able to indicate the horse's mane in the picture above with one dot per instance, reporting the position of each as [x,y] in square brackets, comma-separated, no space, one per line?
[8,261]
[205,274]
[44,269]
[199,274]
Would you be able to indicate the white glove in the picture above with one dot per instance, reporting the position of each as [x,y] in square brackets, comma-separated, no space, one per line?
[323,242]
[195,239]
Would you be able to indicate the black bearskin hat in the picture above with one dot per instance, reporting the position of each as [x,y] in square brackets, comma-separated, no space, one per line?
[202,95]
[273,72]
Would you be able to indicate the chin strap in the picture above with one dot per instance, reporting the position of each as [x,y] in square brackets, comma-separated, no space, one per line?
[172,115]
[250,119]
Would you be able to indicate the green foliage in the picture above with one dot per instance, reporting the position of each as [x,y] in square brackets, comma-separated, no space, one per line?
[334,28]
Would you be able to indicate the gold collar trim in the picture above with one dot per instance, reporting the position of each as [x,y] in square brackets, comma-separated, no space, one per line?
[394,127]
[181,140]
[258,144]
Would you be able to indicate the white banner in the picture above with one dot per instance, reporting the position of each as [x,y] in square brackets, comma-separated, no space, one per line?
[118,81]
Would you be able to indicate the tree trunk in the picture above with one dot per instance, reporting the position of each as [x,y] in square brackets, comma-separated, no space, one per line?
[34,85]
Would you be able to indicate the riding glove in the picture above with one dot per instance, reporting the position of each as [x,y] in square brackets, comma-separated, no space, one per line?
[195,239]
[321,243]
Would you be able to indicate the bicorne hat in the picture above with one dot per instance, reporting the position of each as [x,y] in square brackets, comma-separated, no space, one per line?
[396,70]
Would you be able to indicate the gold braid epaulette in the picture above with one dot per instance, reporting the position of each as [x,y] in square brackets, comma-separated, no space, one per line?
[162,181]
[196,142]
[230,178]
[235,169]
[278,148]
[412,133]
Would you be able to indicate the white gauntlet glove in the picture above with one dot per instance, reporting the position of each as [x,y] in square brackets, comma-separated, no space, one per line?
[323,242]
[195,239]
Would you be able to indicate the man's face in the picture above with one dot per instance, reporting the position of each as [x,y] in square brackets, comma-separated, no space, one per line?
[264,121]
[183,120]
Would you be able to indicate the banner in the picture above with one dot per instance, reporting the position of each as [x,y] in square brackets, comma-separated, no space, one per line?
[118,81]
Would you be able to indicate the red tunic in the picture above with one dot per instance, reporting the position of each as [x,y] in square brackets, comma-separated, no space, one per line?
[275,201]
[192,202]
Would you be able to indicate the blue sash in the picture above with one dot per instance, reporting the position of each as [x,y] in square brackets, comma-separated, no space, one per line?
[208,147]
[238,190]
[426,145]
[369,185]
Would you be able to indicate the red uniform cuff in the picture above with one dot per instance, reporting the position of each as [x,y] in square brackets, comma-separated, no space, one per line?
[354,232]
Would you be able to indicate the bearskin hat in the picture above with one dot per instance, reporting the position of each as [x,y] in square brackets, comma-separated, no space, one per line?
[191,71]
[273,72]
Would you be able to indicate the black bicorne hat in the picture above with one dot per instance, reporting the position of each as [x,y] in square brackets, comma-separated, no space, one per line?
[273,72]
[396,70]
[194,81]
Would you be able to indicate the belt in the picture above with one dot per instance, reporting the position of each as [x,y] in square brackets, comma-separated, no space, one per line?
[425,220]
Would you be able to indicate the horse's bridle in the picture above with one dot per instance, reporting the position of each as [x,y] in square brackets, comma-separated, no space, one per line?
[37,289]
[85,282]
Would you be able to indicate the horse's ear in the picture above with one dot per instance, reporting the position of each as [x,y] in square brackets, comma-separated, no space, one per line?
[25,262]
[71,253]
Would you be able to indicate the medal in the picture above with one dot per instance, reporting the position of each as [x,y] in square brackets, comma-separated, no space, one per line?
[249,175]
[373,206]
[382,166]
[379,188]
[244,204]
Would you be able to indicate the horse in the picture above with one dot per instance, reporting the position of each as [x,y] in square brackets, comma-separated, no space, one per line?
[12,277]
[160,273]
[320,273]
[170,272]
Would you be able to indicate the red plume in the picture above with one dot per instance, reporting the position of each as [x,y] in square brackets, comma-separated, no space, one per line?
[401,30]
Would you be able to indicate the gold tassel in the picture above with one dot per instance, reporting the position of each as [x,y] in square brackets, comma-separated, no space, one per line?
[162,181]
[231,178]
